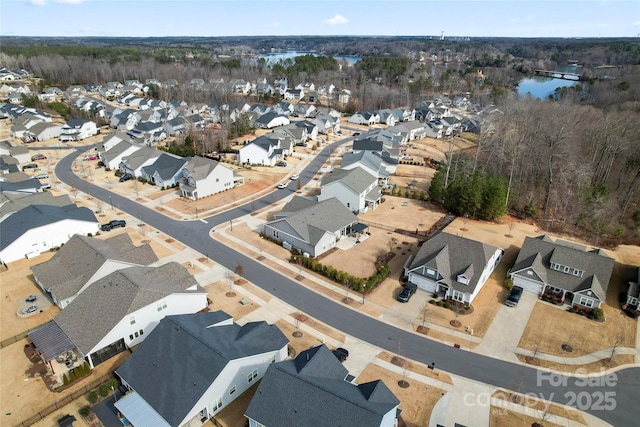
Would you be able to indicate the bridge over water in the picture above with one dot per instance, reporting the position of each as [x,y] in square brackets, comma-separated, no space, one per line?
[558,74]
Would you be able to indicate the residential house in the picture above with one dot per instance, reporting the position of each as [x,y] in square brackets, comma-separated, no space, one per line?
[13,202]
[265,150]
[119,310]
[271,120]
[19,183]
[304,110]
[356,188]
[371,163]
[20,153]
[78,129]
[452,267]
[410,131]
[389,151]
[124,120]
[284,108]
[84,260]
[39,228]
[290,135]
[50,94]
[309,226]
[192,366]
[388,117]
[43,131]
[311,128]
[134,162]
[293,94]
[202,177]
[405,114]
[329,399]
[368,118]
[177,126]
[240,86]
[111,140]
[566,269]
[633,291]
[306,86]
[344,96]
[165,171]
[311,97]
[113,156]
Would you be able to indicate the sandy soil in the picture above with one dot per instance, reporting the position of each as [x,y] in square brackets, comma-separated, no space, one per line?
[562,411]
[505,418]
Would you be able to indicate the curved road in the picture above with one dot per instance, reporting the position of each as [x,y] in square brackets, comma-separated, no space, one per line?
[613,398]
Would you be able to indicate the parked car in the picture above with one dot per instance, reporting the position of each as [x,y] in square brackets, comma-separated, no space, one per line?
[42,176]
[125,177]
[30,166]
[514,296]
[282,185]
[30,298]
[46,186]
[281,163]
[113,224]
[356,134]
[31,309]
[294,177]
[90,157]
[341,353]
[38,157]
[407,292]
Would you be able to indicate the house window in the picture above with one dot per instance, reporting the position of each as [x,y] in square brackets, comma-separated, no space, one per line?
[587,302]
[131,337]
[217,179]
[132,320]
[141,332]
[217,404]
[430,272]
[137,335]
[161,305]
[252,376]
[348,205]
[232,390]
[566,269]
[273,359]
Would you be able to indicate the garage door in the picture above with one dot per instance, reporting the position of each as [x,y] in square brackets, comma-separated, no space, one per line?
[527,285]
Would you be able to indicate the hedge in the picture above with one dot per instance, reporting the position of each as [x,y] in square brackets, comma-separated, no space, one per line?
[342,277]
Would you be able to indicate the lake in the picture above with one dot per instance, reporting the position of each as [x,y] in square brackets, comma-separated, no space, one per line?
[274,58]
[541,87]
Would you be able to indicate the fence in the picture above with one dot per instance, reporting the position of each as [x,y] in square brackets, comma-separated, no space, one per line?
[14,339]
[64,401]
[440,225]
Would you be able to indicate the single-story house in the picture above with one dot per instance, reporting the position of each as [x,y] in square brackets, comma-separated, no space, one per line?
[309,226]
[328,398]
[193,365]
[83,260]
[452,267]
[565,269]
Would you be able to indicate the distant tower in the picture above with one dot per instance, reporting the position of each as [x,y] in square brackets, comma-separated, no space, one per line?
[442,35]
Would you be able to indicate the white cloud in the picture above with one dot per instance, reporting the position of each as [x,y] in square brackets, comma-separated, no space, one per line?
[337,20]
[637,23]
[38,2]
[44,2]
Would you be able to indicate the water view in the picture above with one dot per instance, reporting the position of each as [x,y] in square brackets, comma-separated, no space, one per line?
[542,87]
[274,58]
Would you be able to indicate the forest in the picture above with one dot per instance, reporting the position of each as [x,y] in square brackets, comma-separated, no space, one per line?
[571,162]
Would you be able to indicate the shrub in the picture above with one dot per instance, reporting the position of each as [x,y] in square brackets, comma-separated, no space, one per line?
[104,390]
[113,384]
[446,305]
[85,411]
[92,397]
[508,283]
[65,379]
[432,301]
[89,235]
[597,314]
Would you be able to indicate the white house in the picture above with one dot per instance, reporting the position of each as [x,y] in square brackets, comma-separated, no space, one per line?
[192,366]
[264,150]
[83,260]
[356,188]
[134,162]
[368,118]
[114,155]
[202,177]
[77,130]
[314,383]
[44,131]
[39,228]
[452,267]
[309,226]
[271,120]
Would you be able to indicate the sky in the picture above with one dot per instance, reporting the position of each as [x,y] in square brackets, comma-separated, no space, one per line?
[207,18]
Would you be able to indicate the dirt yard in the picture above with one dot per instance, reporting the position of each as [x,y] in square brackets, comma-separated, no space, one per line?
[416,401]
[549,327]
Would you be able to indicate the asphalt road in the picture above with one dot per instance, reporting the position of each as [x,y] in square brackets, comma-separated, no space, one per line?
[613,398]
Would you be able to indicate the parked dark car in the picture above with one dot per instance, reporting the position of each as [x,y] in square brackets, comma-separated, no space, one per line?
[356,134]
[407,292]
[113,224]
[125,177]
[281,163]
[38,157]
[341,353]
[30,166]
[31,298]
[514,296]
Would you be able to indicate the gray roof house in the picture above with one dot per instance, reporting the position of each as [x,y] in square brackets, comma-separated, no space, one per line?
[356,188]
[134,162]
[119,310]
[368,161]
[310,227]
[452,267]
[166,171]
[202,177]
[11,202]
[38,228]
[328,399]
[83,260]
[192,366]
[566,269]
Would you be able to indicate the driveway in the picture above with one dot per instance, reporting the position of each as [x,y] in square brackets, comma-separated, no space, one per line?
[107,412]
[503,336]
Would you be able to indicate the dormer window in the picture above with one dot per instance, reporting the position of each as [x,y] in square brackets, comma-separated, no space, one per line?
[463,279]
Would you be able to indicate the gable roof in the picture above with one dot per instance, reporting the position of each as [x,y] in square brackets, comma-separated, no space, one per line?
[452,256]
[81,257]
[539,252]
[328,400]
[312,222]
[97,310]
[174,366]
[357,178]
[365,158]
[11,202]
[166,165]
[33,216]
[201,167]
